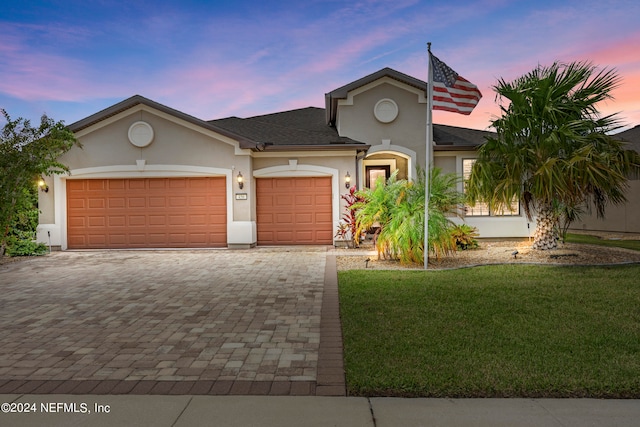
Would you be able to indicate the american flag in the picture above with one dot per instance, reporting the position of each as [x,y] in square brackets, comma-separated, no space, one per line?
[450,91]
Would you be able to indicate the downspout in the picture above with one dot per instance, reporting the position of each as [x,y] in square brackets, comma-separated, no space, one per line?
[360,154]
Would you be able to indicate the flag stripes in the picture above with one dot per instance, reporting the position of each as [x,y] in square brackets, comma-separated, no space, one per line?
[451,92]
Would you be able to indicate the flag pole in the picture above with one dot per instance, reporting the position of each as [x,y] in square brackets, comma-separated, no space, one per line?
[427,168]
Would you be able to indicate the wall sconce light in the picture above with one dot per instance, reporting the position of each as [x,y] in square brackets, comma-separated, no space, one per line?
[43,185]
[240,180]
[347,180]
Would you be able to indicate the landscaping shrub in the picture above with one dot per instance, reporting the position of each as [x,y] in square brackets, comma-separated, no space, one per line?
[464,236]
[397,207]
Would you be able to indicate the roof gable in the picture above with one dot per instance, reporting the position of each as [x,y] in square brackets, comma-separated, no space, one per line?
[331,98]
[138,100]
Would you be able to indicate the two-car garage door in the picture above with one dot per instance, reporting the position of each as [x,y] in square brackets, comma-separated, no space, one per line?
[148,212]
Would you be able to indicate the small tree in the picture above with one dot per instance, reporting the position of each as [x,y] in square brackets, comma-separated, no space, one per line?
[397,206]
[27,153]
[553,149]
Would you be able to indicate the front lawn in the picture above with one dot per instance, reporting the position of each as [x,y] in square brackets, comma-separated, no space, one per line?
[526,331]
[593,240]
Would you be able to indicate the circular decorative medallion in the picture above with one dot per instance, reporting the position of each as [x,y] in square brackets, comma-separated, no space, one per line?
[386,110]
[140,134]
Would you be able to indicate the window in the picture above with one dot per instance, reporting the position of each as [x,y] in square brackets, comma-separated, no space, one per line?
[482,209]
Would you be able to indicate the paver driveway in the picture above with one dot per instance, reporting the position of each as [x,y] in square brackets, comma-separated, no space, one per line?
[178,316]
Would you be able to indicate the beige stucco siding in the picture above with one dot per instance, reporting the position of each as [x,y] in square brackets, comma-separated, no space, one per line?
[178,149]
[622,218]
[335,164]
[357,121]
[172,144]
[446,163]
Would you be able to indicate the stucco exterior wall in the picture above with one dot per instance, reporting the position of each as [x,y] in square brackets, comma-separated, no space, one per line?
[178,149]
[172,144]
[620,219]
[356,118]
[335,164]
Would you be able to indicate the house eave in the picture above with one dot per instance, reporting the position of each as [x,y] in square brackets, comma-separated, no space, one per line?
[324,147]
[138,99]
[455,147]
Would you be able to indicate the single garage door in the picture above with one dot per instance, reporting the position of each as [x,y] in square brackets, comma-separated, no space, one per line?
[294,211]
[146,213]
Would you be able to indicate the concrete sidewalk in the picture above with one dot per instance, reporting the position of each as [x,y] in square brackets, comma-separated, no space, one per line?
[311,411]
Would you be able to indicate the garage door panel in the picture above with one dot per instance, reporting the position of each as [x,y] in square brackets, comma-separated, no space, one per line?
[294,210]
[135,184]
[176,202]
[197,219]
[305,218]
[178,238]
[114,239]
[136,202]
[94,185]
[324,235]
[303,236]
[323,200]
[157,202]
[154,212]
[77,204]
[177,220]
[177,183]
[97,221]
[117,221]
[137,221]
[284,218]
[116,203]
[77,222]
[158,184]
[157,220]
[96,203]
[99,240]
[304,200]
[198,201]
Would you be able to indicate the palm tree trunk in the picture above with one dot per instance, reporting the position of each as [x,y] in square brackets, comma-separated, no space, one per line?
[546,234]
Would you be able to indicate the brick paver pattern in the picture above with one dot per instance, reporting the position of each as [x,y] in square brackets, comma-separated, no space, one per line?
[190,315]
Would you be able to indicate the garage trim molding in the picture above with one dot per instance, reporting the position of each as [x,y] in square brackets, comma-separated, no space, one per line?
[295,169]
[58,230]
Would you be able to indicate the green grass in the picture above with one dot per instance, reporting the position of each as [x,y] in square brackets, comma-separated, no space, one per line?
[593,240]
[495,331]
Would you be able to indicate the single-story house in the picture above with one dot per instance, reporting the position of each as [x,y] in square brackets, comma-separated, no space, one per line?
[149,176]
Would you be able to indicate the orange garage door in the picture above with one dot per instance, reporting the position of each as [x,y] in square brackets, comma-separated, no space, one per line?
[294,211]
[146,213]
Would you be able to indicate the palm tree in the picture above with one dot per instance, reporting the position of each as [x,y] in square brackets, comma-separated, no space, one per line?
[552,150]
[397,207]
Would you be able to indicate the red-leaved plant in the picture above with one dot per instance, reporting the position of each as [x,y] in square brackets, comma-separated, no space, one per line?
[347,228]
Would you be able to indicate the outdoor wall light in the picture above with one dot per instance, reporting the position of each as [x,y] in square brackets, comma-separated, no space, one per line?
[347,180]
[240,179]
[43,185]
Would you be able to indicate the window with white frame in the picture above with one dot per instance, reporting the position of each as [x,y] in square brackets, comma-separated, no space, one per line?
[480,208]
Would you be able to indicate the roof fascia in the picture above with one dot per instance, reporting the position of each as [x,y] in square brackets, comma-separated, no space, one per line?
[422,99]
[137,104]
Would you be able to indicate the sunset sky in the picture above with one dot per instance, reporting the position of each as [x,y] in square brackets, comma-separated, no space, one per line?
[214,59]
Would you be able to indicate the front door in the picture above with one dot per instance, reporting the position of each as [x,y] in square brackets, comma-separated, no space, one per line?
[372,173]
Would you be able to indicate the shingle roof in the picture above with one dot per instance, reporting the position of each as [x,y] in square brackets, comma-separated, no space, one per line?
[632,136]
[301,128]
[448,138]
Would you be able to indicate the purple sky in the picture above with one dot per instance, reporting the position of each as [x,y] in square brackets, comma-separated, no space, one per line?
[214,59]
